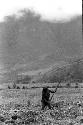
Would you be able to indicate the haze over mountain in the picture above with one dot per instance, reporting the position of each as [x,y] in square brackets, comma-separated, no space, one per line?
[28,43]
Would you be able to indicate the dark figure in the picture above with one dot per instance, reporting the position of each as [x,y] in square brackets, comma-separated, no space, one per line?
[46,97]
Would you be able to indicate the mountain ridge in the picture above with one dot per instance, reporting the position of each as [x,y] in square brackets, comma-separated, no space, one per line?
[28,43]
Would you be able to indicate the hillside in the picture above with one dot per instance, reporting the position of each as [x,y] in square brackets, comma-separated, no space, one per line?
[29,40]
[72,72]
[28,43]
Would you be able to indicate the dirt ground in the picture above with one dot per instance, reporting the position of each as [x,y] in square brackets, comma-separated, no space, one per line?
[23,107]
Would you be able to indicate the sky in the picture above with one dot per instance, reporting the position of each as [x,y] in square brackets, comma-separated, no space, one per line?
[49,9]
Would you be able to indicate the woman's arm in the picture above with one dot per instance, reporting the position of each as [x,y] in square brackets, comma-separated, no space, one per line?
[52,91]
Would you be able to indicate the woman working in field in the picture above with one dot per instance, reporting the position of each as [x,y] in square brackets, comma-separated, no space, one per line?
[46,97]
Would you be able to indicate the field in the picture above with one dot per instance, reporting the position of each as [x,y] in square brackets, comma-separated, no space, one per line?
[23,107]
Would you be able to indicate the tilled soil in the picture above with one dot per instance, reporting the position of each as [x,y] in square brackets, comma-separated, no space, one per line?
[24,112]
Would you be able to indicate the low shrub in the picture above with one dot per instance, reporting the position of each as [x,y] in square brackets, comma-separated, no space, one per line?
[23,87]
[9,87]
[14,86]
[18,87]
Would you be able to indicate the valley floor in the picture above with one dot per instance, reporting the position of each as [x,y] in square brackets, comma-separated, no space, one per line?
[25,105]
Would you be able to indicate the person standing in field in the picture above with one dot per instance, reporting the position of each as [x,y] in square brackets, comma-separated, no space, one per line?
[46,98]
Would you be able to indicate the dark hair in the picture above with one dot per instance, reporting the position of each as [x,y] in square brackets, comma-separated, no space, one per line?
[45,88]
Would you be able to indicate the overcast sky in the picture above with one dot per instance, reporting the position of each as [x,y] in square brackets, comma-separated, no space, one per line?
[48,8]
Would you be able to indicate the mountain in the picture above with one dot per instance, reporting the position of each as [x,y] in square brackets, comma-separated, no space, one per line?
[28,43]
[72,72]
